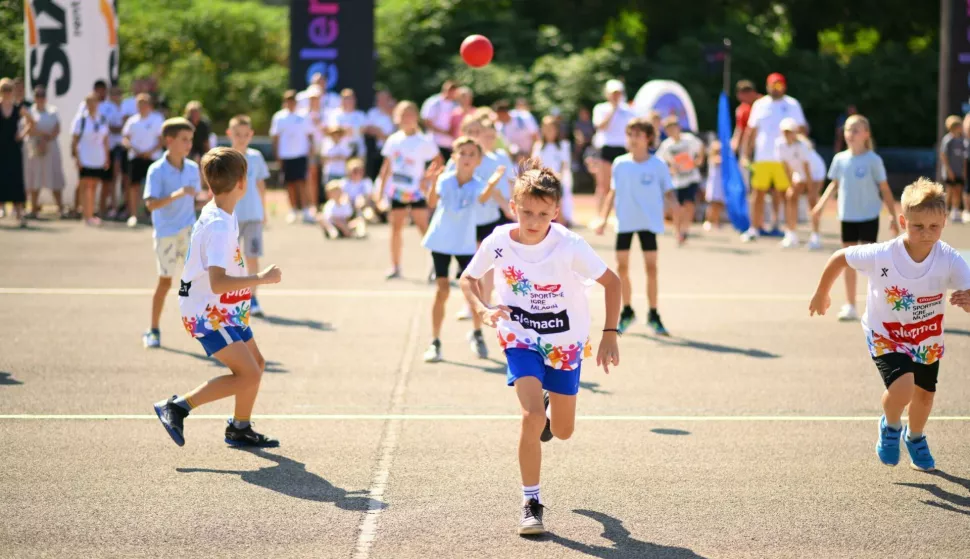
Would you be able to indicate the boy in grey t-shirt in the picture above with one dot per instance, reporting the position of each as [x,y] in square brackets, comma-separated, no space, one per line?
[953,163]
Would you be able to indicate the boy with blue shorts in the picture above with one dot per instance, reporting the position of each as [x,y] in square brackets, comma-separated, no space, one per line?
[170,188]
[543,318]
[251,210]
[214,297]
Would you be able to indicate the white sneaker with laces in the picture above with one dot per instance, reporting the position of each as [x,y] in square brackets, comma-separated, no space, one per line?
[708,226]
[848,313]
[132,222]
[955,215]
[291,217]
[464,314]
[966,216]
[790,241]
[814,242]
[433,353]
[749,235]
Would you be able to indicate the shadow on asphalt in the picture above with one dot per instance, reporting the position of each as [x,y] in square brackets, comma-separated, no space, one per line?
[6,379]
[958,332]
[707,346]
[662,431]
[952,502]
[291,478]
[500,367]
[624,547]
[271,366]
[302,323]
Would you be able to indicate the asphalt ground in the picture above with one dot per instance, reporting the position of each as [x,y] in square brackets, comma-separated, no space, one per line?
[749,433]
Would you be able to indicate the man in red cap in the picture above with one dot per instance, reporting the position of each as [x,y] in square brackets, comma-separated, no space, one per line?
[758,147]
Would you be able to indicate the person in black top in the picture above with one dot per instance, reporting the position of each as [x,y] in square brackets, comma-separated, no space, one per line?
[200,139]
[12,188]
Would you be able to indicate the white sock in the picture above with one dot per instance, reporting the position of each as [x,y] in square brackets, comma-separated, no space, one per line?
[912,436]
[530,492]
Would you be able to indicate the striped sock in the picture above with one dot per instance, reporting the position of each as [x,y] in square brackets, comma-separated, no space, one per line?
[240,423]
[183,403]
[530,492]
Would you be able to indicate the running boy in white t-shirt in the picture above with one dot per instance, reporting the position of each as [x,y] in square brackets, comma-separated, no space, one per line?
[640,185]
[214,298]
[251,209]
[908,280]
[684,154]
[542,318]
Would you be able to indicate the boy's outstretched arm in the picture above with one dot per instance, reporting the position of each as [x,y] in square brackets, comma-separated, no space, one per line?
[961,299]
[609,352]
[833,269]
[220,282]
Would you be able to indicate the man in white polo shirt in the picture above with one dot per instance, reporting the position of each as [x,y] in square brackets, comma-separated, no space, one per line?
[292,142]
[436,117]
[759,139]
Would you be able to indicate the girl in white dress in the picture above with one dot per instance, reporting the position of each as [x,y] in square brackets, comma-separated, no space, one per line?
[554,152]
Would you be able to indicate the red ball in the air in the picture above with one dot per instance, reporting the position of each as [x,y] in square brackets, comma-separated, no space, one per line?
[476,51]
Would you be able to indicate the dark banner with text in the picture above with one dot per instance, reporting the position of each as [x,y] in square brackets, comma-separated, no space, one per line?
[955,64]
[336,40]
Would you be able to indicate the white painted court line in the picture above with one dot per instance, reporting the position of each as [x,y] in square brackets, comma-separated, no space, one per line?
[367,531]
[371,293]
[399,417]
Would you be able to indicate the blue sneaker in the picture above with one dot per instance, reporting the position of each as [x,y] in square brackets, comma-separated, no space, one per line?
[888,446]
[152,338]
[919,453]
[627,316]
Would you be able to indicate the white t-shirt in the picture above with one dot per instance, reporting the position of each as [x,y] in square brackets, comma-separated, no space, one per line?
[438,110]
[328,101]
[90,147]
[408,156]
[294,131]
[545,286]
[115,117]
[354,120]
[766,116]
[316,121]
[343,209]
[521,130]
[214,242]
[796,155]
[681,157]
[377,118]
[129,107]
[554,156]
[816,165]
[615,133]
[336,154]
[144,132]
[357,189]
[905,300]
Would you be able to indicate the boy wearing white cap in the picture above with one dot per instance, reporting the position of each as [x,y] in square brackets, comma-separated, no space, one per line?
[794,151]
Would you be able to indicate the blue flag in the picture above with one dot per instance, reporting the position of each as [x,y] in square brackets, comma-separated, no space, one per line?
[735,193]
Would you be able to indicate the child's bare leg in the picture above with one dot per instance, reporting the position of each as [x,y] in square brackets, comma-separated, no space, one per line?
[246,364]
[133,192]
[919,409]
[850,281]
[420,217]
[562,415]
[438,308]
[791,208]
[686,216]
[59,201]
[529,392]
[623,270]
[341,224]
[813,196]
[158,300]
[397,224]
[758,209]
[293,191]
[650,263]
[896,397]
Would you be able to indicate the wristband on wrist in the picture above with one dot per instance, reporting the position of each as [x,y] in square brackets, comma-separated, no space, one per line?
[611,330]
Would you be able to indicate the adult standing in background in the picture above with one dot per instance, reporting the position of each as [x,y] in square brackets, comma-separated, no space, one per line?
[746,95]
[610,119]
[44,165]
[317,121]
[200,138]
[12,133]
[436,117]
[292,140]
[329,100]
[350,120]
[521,129]
[380,125]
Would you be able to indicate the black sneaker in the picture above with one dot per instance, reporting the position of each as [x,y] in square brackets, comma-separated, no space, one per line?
[531,523]
[627,316]
[172,417]
[546,435]
[658,327]
[247,437]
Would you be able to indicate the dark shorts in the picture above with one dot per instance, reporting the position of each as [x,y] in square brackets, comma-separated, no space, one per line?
[860,231]
[100,174]
[648,240]
[609,153]
[482,231]
[421,204]
[120,154]
[443,261]
[894,365]
[528,363]
[959,181]
[294,169]
[445,153]
[138,170]
[688,193]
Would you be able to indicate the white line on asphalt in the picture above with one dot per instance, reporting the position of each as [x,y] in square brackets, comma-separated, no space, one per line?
[358,293]
[367,531]
[398,417]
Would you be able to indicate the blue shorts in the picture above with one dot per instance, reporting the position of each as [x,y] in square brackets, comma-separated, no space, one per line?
[221,338]
[528,363]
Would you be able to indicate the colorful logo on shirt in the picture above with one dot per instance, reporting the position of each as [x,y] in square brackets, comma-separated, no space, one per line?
[216,317]
[541,323]
[517,281]
[924,355]
[860,172]
[238,259]
[566,358]
[646,180]
[917,333]
[900,298]
[551,288]
[237,296]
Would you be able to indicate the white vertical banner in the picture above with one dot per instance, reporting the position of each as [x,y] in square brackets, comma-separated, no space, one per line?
[70,44]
